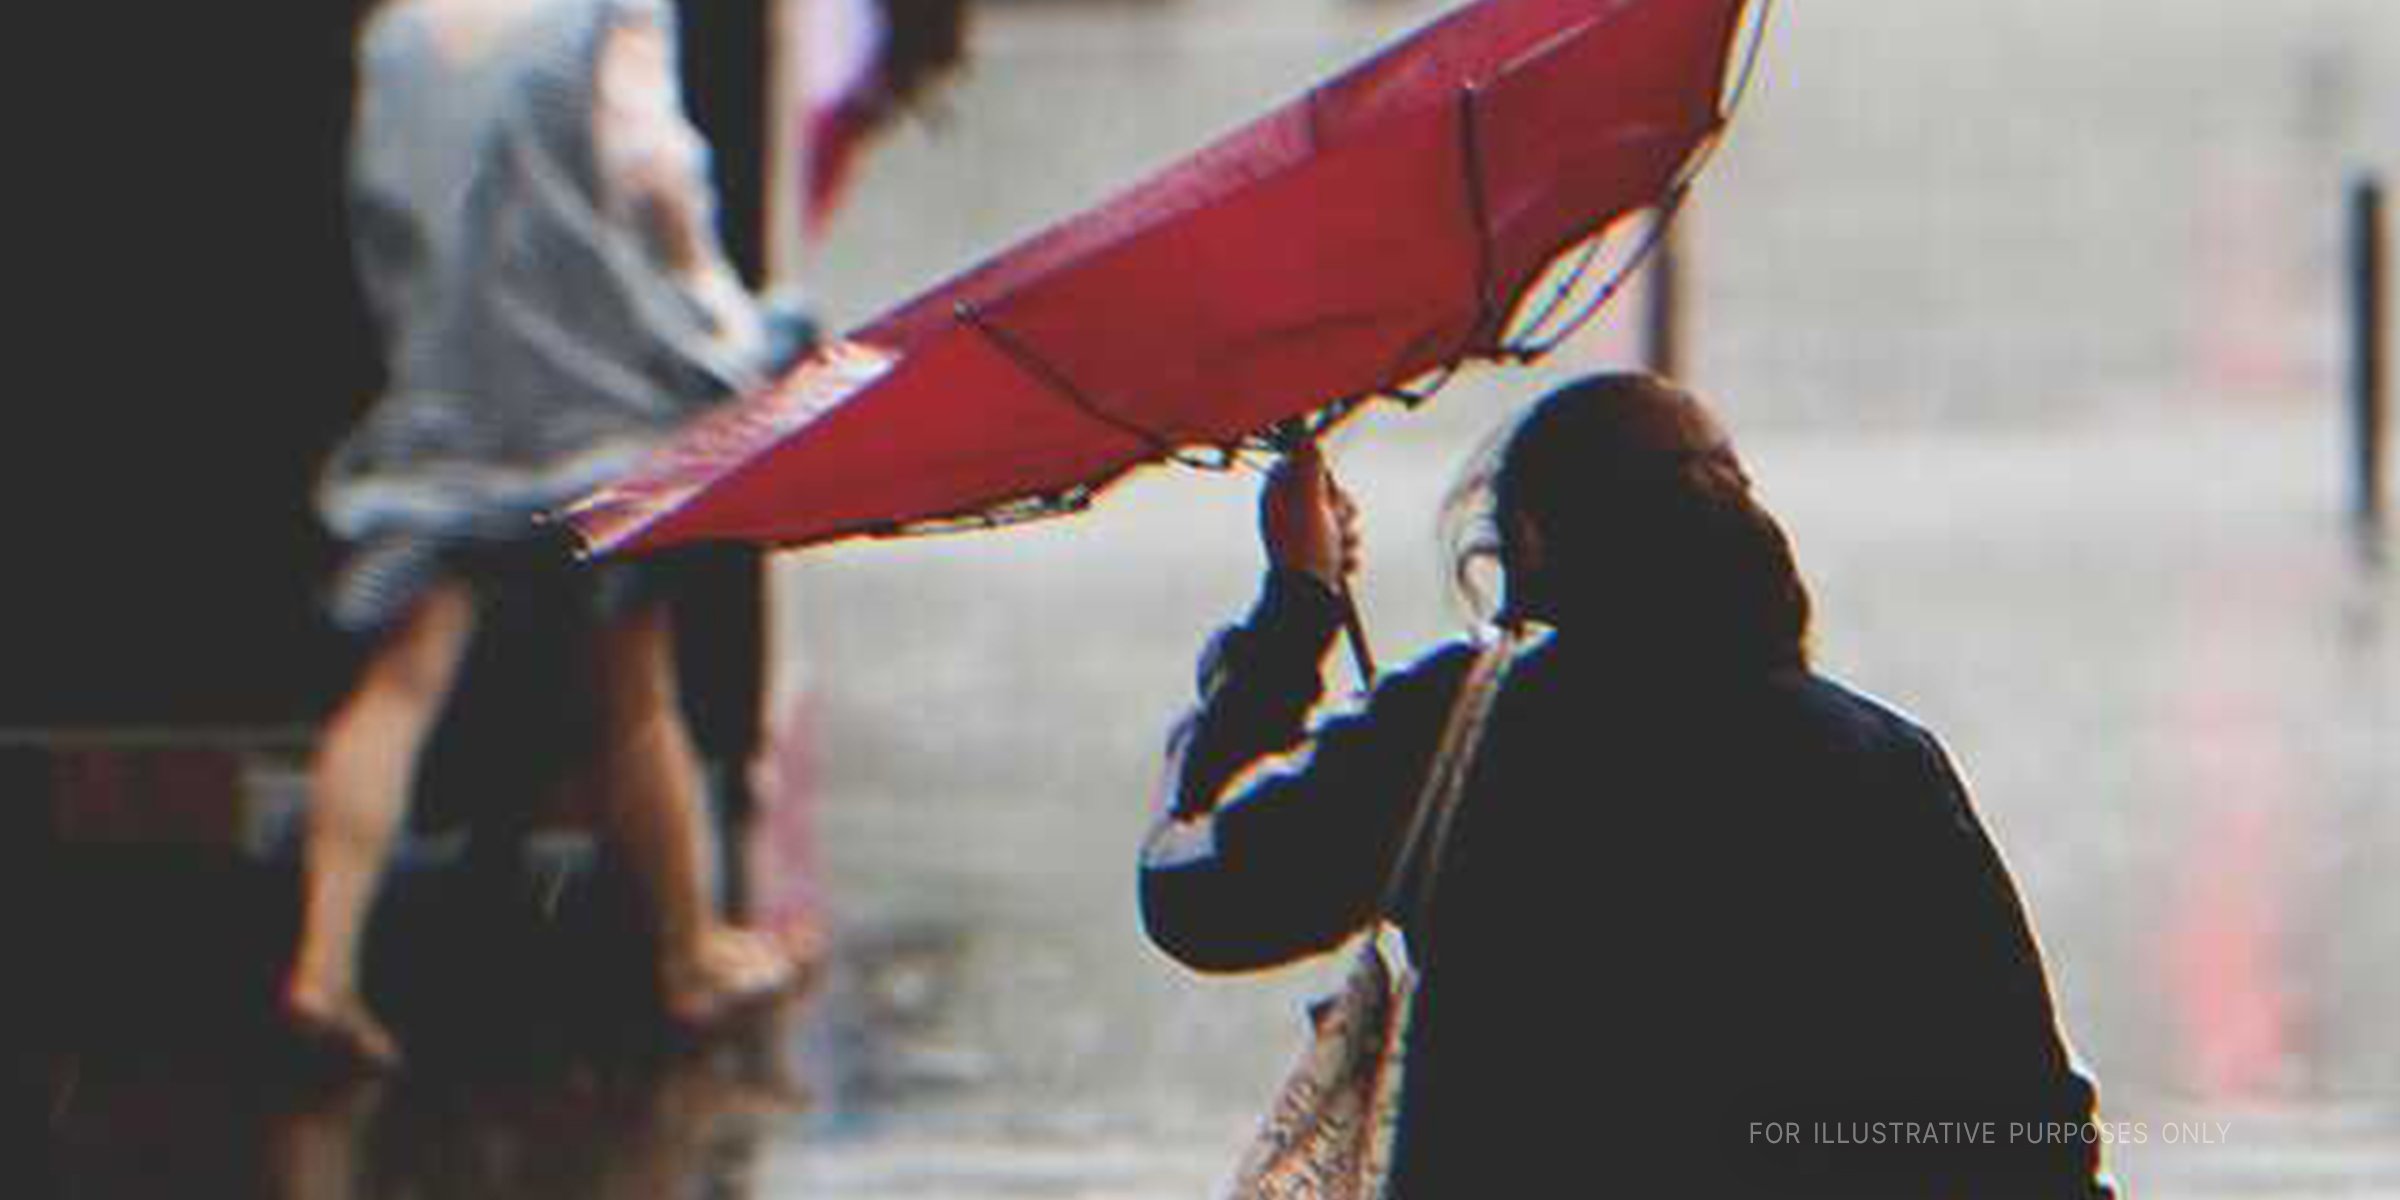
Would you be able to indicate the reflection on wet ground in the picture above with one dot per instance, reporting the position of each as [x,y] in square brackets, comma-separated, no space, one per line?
[575,1105]
[688,1124]
[857,1086]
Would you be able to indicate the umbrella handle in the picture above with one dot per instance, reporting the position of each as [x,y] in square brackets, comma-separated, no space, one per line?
[1354,632]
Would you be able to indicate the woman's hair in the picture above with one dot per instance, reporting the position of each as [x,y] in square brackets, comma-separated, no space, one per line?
[1617,502]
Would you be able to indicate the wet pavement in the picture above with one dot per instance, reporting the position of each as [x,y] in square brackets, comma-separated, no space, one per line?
[2025,316]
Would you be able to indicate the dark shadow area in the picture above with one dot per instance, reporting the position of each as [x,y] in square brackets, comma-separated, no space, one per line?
[539,1062]
[684,1124]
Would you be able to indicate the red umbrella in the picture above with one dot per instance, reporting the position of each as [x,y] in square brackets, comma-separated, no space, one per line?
[1387,224]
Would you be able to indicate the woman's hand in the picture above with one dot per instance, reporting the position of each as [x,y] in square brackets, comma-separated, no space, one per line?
[1307,521]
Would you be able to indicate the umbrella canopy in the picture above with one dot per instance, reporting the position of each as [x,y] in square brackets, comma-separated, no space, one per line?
[1386,224]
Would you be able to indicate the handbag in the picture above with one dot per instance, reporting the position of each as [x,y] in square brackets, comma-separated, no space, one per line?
[1330,1131]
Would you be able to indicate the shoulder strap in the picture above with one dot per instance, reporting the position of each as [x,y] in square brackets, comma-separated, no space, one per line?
[1437,800]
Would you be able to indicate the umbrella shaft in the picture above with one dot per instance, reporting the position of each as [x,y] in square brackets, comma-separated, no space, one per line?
[1355,631]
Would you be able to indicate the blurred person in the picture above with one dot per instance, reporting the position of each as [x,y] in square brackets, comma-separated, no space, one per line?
[865,63]
[535,237]
[1694,890]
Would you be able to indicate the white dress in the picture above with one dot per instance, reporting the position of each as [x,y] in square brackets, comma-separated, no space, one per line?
[538,335]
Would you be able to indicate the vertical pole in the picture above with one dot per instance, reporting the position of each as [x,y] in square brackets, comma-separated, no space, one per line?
[721,609]
[1662,344]
[726,48]
[786,92]
[2370,344]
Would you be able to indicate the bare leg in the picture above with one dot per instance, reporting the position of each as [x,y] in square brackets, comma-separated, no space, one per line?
[361,778]
[657,815]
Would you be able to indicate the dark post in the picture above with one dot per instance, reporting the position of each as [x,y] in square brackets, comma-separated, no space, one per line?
[2370,343]
[721,615]
[1662,327]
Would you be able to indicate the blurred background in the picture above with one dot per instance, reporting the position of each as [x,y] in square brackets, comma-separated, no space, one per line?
[2030,319]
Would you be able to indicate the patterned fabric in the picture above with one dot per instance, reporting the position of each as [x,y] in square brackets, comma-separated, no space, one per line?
[508,164]
[1332,1130]
[1329,1133]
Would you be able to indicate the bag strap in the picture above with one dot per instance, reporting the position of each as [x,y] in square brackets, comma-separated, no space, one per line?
[1445,780]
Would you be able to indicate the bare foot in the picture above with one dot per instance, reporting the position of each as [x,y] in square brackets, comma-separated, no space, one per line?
[728,971]
[337,1020]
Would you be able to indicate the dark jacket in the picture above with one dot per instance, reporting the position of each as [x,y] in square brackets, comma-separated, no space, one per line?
[1700,931]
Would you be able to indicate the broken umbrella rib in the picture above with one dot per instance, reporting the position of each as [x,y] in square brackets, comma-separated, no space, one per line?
[1479,217]
[1484,326]
[1064,502]
[1056,383]
[1531,346]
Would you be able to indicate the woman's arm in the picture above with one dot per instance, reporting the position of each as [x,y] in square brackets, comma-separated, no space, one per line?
[1275,841]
